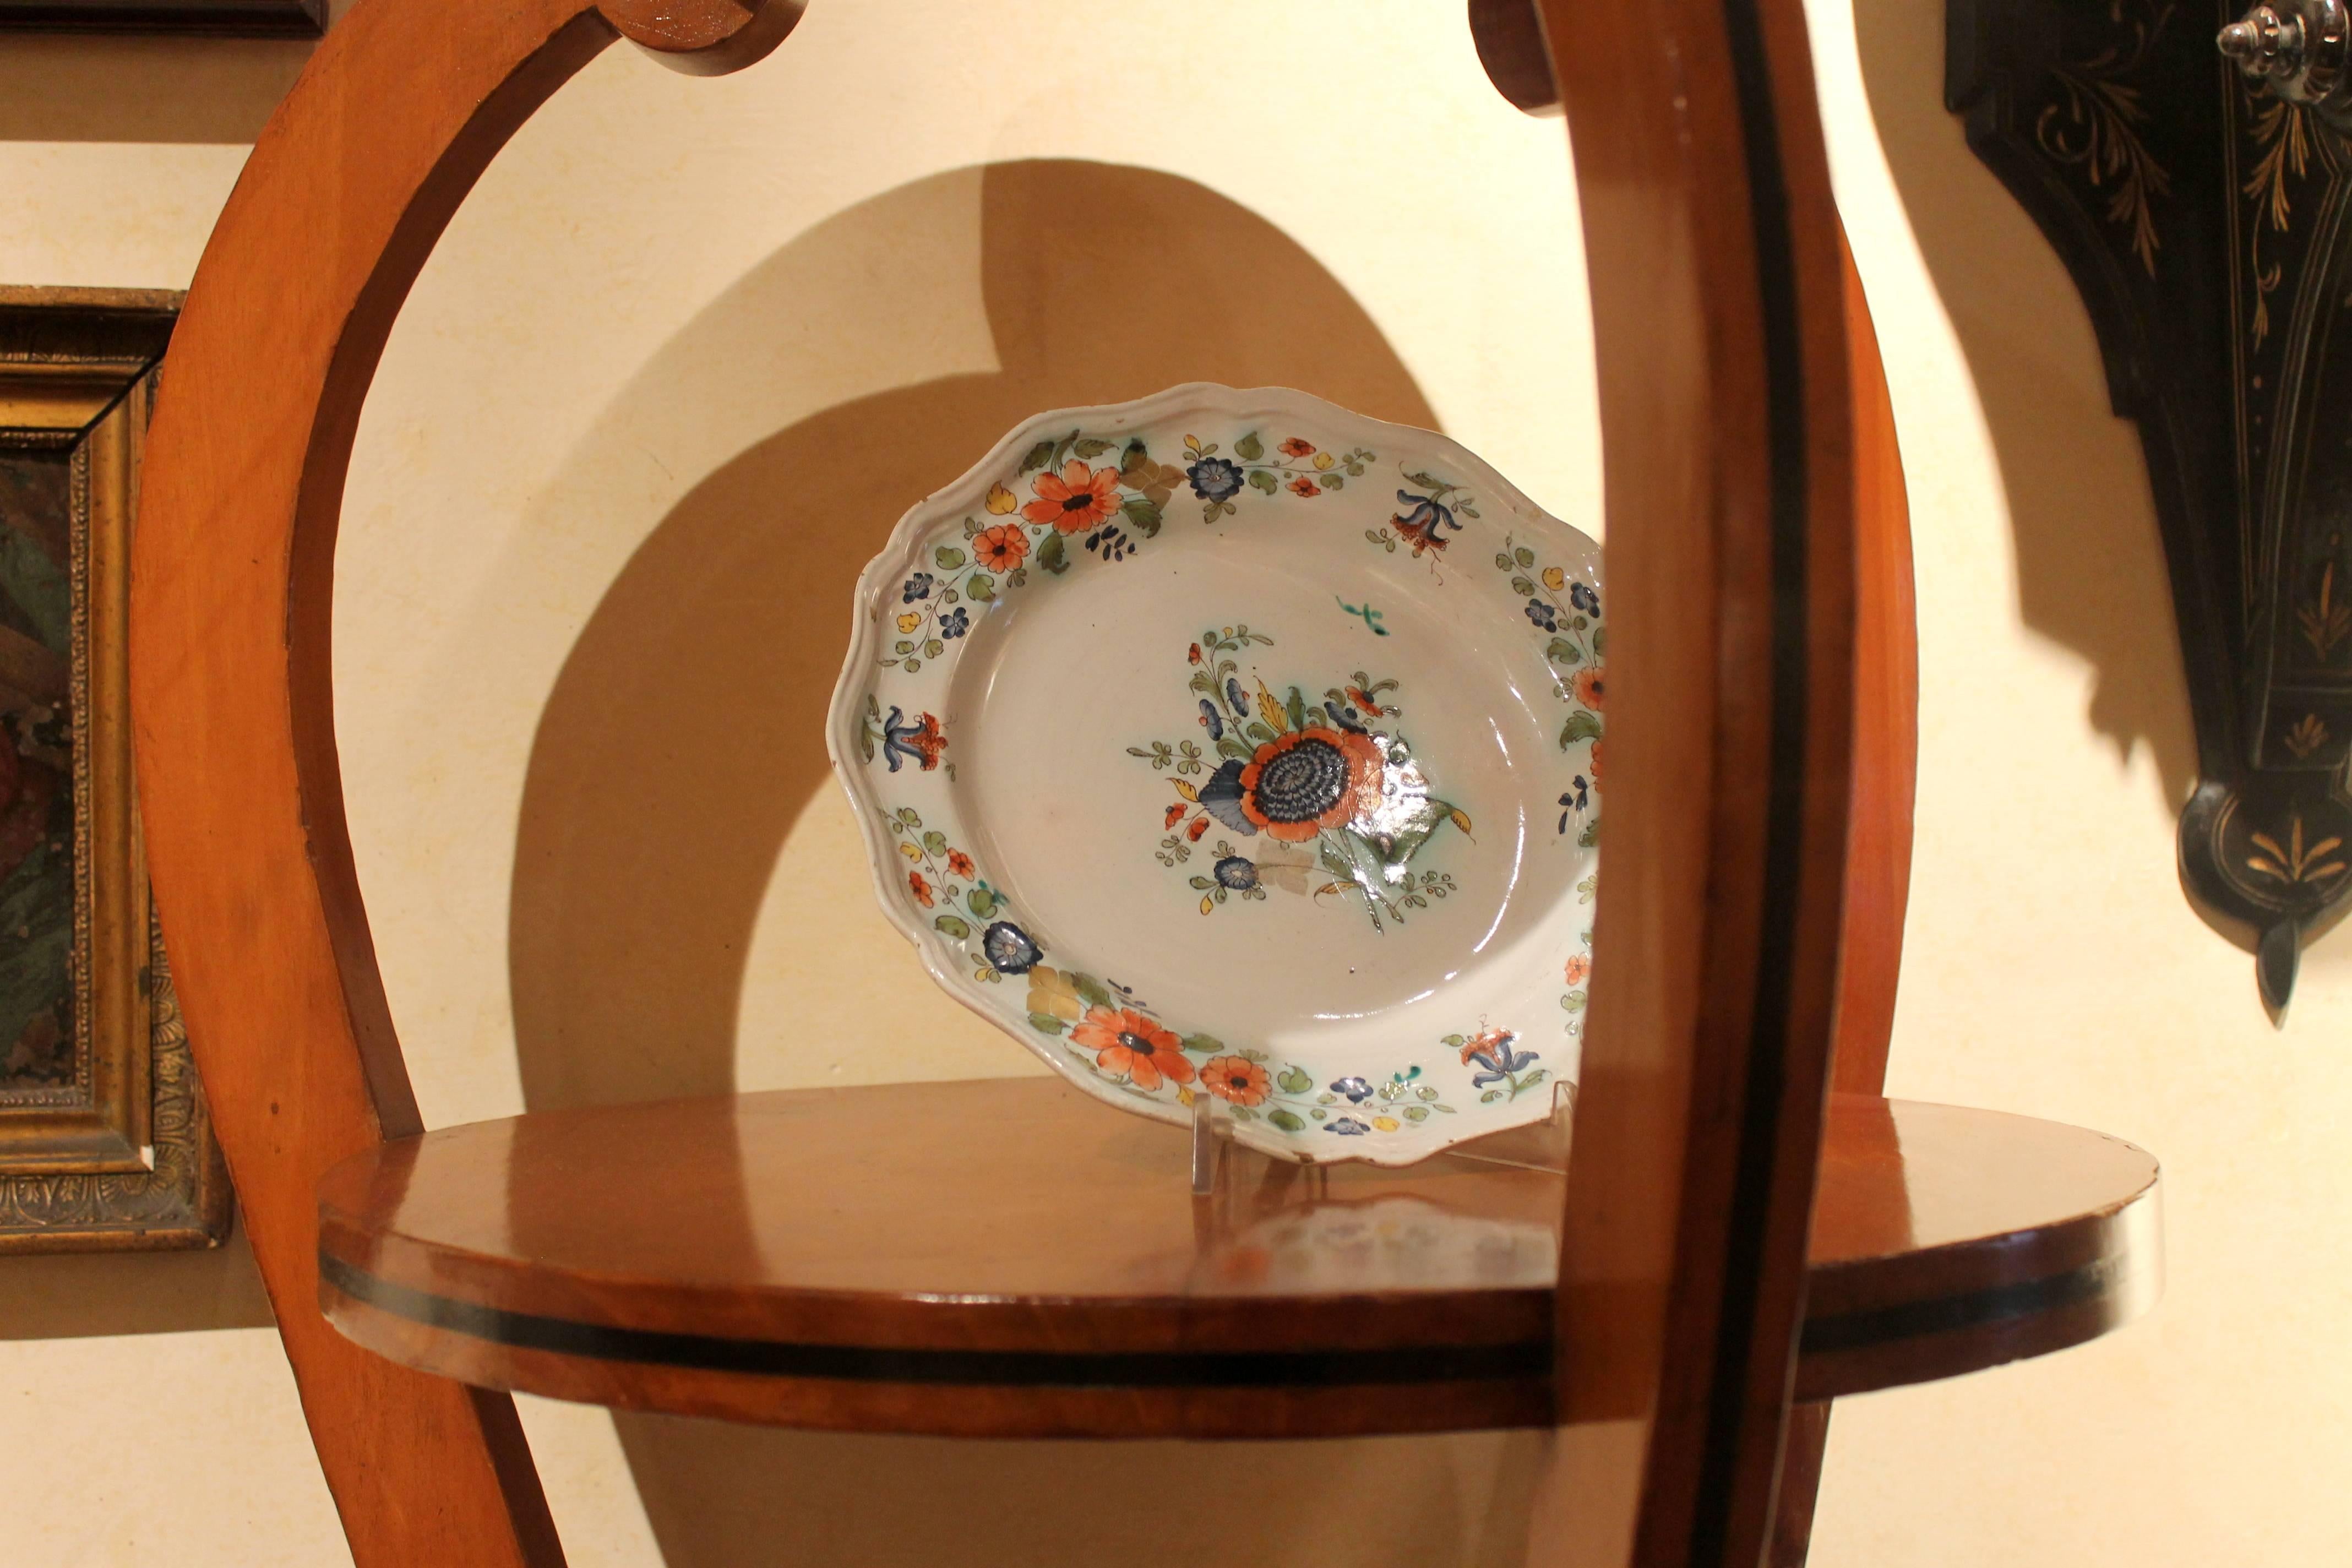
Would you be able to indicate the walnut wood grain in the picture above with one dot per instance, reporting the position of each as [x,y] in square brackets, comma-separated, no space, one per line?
[1710,240]
[349,183]
[1722,366]
[1016,1262]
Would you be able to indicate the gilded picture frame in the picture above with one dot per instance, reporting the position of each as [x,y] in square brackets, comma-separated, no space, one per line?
[104,1141]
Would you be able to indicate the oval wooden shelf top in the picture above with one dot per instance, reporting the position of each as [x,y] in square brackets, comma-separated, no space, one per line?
[1004,1258]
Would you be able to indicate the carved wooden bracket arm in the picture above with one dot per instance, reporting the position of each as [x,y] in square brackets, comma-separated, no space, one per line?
[2200,211]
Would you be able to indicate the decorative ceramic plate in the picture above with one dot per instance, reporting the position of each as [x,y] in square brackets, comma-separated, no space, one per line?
[1230,743]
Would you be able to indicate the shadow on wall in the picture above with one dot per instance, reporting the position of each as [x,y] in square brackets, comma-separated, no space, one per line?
[685,734]
[2090,562]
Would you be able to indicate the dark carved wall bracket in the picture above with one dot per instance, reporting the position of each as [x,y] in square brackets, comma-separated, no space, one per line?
[2200,211]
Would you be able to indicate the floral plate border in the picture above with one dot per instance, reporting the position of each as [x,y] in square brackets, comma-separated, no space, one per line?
[1097,495]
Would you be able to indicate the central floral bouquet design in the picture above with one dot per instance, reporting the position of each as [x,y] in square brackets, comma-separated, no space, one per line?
[1328,784]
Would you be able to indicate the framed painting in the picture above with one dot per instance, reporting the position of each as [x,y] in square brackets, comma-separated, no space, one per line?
[219,18]
[104,1141]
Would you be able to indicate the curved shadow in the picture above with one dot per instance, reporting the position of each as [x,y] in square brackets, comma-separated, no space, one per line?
[684,738]
[2090,564]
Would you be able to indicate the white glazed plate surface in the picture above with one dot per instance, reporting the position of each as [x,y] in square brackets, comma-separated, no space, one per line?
[1230,743]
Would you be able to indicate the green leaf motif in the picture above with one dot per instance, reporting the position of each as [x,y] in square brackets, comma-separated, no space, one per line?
[933,649]
[1249,448]
[1582,725]
[980,902]
[1599,641]
[1590,835]
[953,927]
[1039,456]
[1294,1080]
[1092,992]
[935,842]
[1524,556]
[982,587]
[1416,1113]
[1141,515]
[1264,479]
[1092,447]
[1560,650]
[1296,710]
[1287,1121]
[949,557]
[1524,586]
[1050,557]
[1045,1023]
[1573,1001]
[1208,1044]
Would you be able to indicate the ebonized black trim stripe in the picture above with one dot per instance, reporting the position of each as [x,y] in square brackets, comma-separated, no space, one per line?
[995,1369]
[1914,1320]
[1768,1037]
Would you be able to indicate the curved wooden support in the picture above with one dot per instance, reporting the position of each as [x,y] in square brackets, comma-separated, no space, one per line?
[1724,409]
[1711,244]
[347,190]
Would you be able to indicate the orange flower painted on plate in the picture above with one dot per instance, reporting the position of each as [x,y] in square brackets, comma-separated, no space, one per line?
[921,888]
[1002,548]
[1589,685]
[1235,1078]
[1075,499]
[960,863]
[1303,486]
[1295,448]
[1127,1043]
[1579,970]
[1596,762]
[1302,783]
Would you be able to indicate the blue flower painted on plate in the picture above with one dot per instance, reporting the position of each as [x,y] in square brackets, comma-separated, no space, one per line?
[1496,1051]
[1009,949]
[1210,721]
[1543,615]
[955,622]
[1214,478]
[1423,522]
[1355,1089]
[1238,698]
[1220,797]
[1584,598]
[1347,1127]
[920,743]
[1344,716]
[919,587]
[1237,873]
[1578,797]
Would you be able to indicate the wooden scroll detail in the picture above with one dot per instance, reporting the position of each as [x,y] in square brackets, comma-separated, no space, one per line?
[347,190]
[1711,244]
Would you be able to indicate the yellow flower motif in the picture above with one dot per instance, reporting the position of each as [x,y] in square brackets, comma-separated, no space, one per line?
[1324,460]
[909,621]
[909,850]
[1002,501]
[1554,578]
[1385,1123]
[1051,993]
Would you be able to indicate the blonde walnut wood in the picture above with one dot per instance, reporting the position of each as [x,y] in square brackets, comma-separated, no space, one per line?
[1722,363]
[545,1253]
[346,190]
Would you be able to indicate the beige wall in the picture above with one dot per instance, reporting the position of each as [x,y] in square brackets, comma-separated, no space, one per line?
[689,349]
